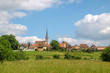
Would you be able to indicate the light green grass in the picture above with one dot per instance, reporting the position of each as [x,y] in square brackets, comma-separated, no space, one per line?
[55,66]
[32,54]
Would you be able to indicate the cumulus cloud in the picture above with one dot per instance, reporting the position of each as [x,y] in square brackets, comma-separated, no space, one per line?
[95,27]
[30,4]
[31,39]
[73,41]
[6,27]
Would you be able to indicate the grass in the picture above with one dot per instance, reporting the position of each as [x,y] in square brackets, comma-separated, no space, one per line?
[49,54]
[56,65]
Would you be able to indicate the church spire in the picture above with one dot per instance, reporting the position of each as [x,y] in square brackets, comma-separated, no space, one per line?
[47,38]
[46,32]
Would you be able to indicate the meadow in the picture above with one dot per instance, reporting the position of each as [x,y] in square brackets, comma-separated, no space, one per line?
[52,65]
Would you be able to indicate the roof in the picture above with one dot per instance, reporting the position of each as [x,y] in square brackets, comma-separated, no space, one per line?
[101,47]
[83,45]
[64,45]
[39,42]
[34,45]
[73,47]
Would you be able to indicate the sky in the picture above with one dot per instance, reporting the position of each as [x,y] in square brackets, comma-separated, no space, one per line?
[73,21]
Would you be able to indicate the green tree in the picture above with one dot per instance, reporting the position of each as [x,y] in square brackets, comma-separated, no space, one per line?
[105,55]
[55,45]
[11,38]
[5,49]
[2,55]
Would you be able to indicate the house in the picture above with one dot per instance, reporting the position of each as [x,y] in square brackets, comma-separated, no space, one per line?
[23,46]
[100,48]
[84,46]
[76,47]
[63,44]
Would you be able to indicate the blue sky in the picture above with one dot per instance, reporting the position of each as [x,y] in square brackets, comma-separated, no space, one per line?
[60,20]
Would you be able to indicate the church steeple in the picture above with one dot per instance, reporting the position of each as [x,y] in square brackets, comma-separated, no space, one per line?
[46,32]
[47,38]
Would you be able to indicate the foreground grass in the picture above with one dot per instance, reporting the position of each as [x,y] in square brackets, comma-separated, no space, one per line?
[55,66]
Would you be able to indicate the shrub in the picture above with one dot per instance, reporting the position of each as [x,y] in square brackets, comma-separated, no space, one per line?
[89,50]
[20,55]
[67,56]
[36,49]
[39,57]
[105,55]
[62,50]
[56,56]
[78,57]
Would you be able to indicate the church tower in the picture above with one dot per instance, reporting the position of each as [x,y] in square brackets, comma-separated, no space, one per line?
[47,38]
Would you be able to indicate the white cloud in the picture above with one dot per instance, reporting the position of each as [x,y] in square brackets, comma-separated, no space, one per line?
[95,27]
[6,27]
[73,41]
[105,31]
[30,4]
[31,39]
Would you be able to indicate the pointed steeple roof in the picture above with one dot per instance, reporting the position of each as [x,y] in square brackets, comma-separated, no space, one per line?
[46,32]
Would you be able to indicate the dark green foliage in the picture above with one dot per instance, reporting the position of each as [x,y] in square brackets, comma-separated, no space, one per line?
[54,44]
[2,55]
[62,50]
[11,38]
[36,49]
[56,56]
[89,50]
[39,57]
[68,56]
[20,55]
[105,55]
[5,49]
[29,44]
[72,50]
[82,50]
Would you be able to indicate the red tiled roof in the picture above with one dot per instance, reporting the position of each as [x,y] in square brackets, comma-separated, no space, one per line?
[101,47]
[73,47]
[64,45]
[83,45]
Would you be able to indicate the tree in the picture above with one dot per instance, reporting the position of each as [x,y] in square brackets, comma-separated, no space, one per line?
[5,49]
[55,45]
[11,38]
[2,55]
[105,55]
[28,44]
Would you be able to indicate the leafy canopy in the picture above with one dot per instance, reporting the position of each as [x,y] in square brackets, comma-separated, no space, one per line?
[55,45]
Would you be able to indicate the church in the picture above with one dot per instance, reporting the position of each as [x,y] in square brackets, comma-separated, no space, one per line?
[41,45]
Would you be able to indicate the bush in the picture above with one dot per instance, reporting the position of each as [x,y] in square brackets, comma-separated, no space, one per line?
[67,56]
[89,50]
[56,56]
[105,55]
[62,50]
[39,57]
[20,55]
[36,49]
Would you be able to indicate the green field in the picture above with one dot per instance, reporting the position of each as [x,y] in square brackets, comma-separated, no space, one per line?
[56,65]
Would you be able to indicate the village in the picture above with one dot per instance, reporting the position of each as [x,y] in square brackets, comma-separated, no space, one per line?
[43,45]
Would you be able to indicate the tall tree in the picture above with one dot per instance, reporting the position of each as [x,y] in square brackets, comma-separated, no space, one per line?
[54,44]
[5,49]
[11,38]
